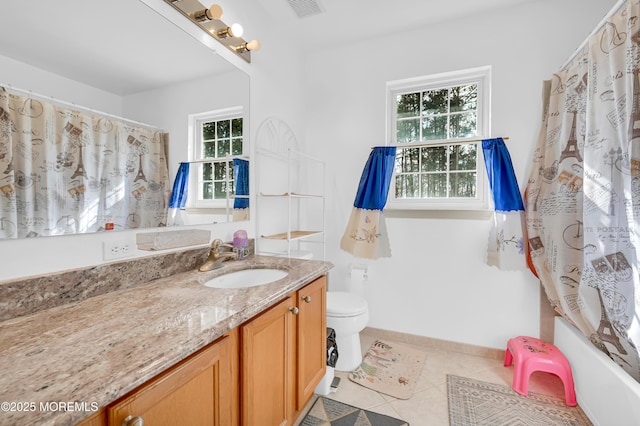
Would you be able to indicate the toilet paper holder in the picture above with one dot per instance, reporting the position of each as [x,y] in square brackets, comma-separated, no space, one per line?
[359,268]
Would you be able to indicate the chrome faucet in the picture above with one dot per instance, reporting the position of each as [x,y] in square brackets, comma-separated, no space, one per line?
[217,255]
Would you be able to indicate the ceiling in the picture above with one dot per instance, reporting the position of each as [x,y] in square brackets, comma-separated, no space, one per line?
[79,38]
[355,20]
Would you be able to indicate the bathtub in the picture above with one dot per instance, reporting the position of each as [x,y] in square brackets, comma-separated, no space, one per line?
[608,395]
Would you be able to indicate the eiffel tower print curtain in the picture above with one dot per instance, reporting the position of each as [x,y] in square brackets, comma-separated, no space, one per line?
[68,172]
[582,201]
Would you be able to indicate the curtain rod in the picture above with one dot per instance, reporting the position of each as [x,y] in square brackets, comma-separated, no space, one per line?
[29,93]
[603,21]
[213,160]
[420,145]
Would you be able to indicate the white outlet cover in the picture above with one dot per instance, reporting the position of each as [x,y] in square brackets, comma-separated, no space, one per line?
[115,250]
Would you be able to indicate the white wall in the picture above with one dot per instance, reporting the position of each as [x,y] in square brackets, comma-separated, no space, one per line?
[436,283]
[26,77]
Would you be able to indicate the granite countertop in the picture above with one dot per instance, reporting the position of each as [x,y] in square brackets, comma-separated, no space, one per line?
[96,350]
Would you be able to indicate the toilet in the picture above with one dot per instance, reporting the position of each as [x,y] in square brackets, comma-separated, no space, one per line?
[348,315]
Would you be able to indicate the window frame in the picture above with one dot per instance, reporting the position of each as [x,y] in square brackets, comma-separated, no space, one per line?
[195,155]
[480,76]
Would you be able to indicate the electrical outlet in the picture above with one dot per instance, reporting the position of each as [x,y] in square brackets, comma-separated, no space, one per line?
[116,250]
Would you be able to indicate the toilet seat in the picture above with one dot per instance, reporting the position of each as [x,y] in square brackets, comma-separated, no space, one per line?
[342,304]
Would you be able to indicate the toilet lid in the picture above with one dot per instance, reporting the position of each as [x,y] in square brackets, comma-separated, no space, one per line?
[342,304]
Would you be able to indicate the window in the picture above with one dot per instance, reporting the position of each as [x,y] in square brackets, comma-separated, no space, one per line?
[216,137]
[436,123]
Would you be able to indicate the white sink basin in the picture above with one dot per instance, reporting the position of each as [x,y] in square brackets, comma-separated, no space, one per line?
[246,278]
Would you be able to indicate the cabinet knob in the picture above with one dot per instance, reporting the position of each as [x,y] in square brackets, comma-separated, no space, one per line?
[294,310]
[307,299]
[133,421]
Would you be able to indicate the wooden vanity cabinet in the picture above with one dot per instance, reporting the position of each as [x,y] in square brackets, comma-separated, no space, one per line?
[267,357]
[201,390]
[262,373]
[311,339]
[284,357]
[99,418]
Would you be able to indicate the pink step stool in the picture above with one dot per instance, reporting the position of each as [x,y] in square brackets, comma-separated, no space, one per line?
[532,355]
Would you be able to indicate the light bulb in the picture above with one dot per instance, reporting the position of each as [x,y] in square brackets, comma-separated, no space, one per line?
[253,45]
[214,12]
[236,30]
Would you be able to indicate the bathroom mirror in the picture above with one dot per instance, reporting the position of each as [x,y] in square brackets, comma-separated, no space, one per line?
[122,58]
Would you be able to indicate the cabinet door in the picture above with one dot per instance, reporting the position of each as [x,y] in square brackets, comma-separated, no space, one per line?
[312,339]
[195,392]
[267,367]
[96,419]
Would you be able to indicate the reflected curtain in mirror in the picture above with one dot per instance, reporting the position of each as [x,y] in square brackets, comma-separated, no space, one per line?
[179,195]
[241,179]
[66,172]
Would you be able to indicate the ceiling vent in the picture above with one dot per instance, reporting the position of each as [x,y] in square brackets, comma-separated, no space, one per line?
[304,8]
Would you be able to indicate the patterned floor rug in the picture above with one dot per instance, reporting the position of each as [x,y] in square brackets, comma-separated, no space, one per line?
[327,412]
[476,403]
[390,368]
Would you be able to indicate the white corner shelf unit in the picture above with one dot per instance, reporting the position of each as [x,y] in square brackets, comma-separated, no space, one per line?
[290,219]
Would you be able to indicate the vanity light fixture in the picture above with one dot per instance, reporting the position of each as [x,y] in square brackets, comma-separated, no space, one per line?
[208,19]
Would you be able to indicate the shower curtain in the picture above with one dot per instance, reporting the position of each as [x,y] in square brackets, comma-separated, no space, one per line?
[66,172]
[582,201]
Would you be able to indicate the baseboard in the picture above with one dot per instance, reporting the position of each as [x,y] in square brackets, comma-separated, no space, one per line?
[430,342]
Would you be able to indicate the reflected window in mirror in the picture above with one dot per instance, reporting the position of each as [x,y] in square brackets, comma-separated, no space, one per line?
[217,152]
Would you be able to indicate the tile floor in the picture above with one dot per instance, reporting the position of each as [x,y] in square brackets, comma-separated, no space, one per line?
[428,406]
